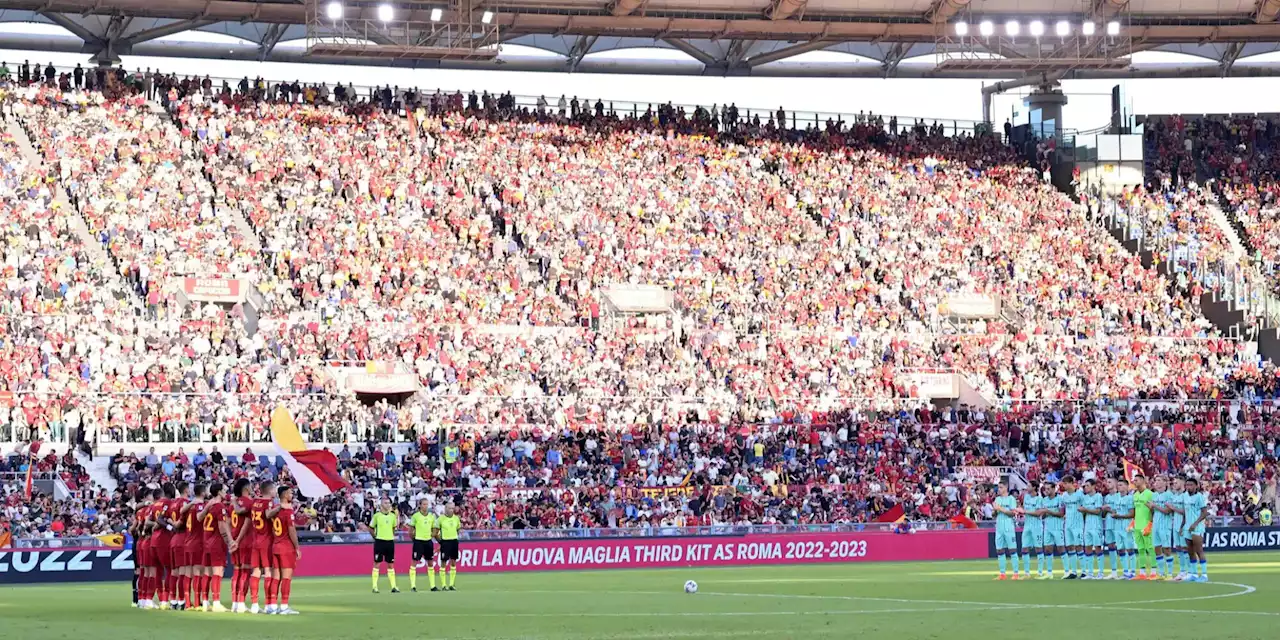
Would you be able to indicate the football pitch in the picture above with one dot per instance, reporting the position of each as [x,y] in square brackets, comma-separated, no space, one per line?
[952,600]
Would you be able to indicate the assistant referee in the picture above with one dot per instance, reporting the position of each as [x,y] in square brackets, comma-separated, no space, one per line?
[450,525]
[384,525]
[424,526]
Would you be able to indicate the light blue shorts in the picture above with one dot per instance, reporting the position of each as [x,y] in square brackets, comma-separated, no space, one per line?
[1007,540]
[1162,535]
[1093,537]
[1075,536]
[1053,536]
[1031,536]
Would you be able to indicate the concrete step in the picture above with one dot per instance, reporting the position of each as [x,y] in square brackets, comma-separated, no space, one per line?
[99,470]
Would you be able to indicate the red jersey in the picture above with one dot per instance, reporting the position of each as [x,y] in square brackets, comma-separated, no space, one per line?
[159,509]
[216,515]
[140,517]
[281,543]
[258,520]
[239,522]
[191,524]
[175,515]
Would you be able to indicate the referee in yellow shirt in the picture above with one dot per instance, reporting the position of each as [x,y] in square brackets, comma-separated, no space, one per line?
[384,525]
[449,525]
[424,527]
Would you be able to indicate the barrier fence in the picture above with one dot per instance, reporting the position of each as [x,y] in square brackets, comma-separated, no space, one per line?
[758,546]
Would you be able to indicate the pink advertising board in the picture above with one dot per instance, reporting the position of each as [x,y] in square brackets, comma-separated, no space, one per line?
[657,553]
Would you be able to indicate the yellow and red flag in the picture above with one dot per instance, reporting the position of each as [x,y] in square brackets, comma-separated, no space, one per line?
[315,471]
[1131,470]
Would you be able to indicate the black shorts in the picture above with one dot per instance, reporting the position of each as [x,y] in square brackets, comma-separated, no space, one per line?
[448,550]
[423,550]
[384,550]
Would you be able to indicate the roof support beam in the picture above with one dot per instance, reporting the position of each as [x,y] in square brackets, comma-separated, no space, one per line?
[1229,58]
[943,10]
[72,26]
[737,51]
[1108,8]
[693,52]
[895,56]
[168,30]
[787,52]
[625,7]
[1267,11]
[581,47]
[269,41]
[783,9]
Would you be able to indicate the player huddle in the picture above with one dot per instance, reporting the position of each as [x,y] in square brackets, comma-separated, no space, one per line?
[1142,532]
[182,535]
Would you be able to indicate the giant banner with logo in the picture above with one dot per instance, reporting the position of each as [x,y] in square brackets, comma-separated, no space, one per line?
[657,553]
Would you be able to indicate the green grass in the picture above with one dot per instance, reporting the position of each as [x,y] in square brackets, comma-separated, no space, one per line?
[955,601]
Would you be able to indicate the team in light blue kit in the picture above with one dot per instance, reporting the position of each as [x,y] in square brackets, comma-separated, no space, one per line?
[1120,543]
[1089,523]
[1006,507]
[1051,511]
[1093,514]
[1073,531]
[1032,533]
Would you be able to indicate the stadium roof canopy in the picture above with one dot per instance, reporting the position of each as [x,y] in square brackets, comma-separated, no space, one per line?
[719,37]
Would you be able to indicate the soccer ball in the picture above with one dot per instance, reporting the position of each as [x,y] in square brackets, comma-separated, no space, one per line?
[690,587]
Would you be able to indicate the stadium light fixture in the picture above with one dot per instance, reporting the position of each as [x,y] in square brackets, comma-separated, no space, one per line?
[334,10]
[1063,28]
[1036,28]
[962,28]
[1088,28]
[987,28]
[1011,28]
[436,14]
[1113,28]
[487,17]
[385,12]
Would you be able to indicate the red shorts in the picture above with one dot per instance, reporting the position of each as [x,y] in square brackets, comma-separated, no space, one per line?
[160,551]
[178,549]
[258,557]
[142,554]
[282,558]
[194,554]
[215,555]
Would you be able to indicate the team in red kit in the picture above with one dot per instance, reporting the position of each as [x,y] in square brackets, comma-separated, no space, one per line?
[183,535]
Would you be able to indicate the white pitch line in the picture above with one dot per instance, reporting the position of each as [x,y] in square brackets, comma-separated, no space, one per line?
[1244,591]
[667,614]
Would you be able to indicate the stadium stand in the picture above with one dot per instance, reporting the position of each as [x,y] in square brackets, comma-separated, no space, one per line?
[434,299]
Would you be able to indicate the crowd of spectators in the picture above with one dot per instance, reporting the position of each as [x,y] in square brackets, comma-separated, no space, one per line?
[846,467]
[471,240]
[1239,155]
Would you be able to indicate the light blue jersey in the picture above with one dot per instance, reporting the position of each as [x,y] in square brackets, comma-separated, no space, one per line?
[1006,525]
[1093,522]
[1109,521]
[1161,523]
[1195,503]
[1178,500]
[1033,526]
[1052,524]
[1074,529]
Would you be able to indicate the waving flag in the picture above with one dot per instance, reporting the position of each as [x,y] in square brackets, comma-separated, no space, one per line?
[32,450]
[1131,470]
[315,471]
[113,540]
